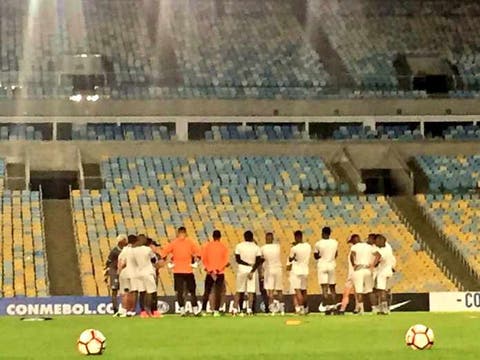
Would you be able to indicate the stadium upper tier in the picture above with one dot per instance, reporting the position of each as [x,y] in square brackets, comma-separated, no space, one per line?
[456,216]
[369,36]
[455,174]
[121,132]
[231,49]
[207,193]
[23,256]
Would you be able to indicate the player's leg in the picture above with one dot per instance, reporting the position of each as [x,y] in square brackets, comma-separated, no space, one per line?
[236,303]
[241,287]
[346,296]
[374,295]
[192,290]
[299,299]
[133,299]
[326,298]
[358,283]
[217,293]
[179,287]
[268,285]
[155,304]
[264,294]
[141,302]
[333,297]
[114,286]
[368,283]
[332,291]
[209,283]
[278,292]
[251,290]
[382,292]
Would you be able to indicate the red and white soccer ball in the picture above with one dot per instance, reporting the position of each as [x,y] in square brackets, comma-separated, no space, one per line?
[91,342]
[419,337]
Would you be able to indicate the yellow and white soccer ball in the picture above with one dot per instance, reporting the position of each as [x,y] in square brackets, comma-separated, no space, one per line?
[91,342]
[419,337]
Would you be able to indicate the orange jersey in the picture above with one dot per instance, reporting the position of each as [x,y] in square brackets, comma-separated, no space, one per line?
[215,257]
[182,251]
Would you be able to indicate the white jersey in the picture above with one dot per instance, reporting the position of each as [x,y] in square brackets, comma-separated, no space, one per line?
[143,256]
[363,254]
[126,256]
[301,255]
[327,249]
[271,254]
[248,252]
[385,266]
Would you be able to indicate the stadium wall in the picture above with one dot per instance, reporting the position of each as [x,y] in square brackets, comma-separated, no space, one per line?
[68,155]
[248,107]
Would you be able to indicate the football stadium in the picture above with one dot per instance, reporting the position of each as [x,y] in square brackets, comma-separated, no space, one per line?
[239,179]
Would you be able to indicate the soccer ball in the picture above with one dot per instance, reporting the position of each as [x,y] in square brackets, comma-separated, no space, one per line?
[91,342]
[419,337]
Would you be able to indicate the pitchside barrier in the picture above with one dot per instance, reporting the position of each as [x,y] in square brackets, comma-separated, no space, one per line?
[84,305]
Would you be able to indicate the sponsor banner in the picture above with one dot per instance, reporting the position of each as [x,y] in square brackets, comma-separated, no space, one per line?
[454,301]
[85,305]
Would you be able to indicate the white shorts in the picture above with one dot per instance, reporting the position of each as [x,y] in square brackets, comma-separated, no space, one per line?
[363,281]
[382,281]
[127,284]
[147,283]
[273,280]
[298,282]
[244,284]
[326,273]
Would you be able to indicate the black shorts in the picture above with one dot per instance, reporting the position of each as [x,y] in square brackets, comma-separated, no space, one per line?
[114,282]
[184,282]
[209,282]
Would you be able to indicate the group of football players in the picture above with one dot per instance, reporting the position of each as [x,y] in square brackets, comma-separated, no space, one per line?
[133,267]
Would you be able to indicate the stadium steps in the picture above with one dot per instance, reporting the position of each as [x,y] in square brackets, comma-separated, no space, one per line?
[340,170]
[330,58]
[447,261]
[63,270]
[420,180]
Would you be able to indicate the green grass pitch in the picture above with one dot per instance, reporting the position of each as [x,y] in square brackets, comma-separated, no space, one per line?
[259,337]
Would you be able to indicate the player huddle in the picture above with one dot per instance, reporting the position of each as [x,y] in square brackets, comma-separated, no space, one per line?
[135,263]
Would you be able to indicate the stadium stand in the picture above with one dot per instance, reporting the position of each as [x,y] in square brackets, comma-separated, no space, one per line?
[454,174]
[156,195]
[383,30]
[460,132]
[19,132]
[255,132]
[255,48]
[120,132]
[23,255]
[456,217]
[382,132]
